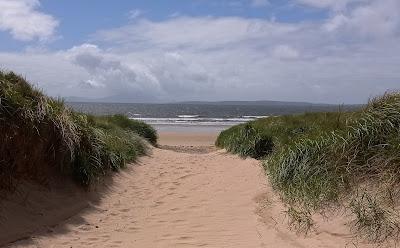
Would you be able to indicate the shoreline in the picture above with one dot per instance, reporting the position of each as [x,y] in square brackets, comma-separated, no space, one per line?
[190,129]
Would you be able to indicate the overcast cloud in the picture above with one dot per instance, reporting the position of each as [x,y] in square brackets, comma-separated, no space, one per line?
[351,55]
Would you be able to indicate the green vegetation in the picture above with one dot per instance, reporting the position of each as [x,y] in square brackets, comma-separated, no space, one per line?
[40,136]
[323,160]
[138,127]
[262,137]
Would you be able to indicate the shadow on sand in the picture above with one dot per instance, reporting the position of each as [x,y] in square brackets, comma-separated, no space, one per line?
[34,209]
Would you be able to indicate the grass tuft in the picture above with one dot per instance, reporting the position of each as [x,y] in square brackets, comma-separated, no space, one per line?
[262,137]
[320,160]
[300,220]
[374,219]
[41,136]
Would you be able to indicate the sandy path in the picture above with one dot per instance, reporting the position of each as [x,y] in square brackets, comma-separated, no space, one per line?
[187,138]
[176,199]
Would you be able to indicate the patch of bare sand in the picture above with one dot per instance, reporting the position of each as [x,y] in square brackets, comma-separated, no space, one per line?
[193,139]
[188,142]
[176,199]
[33,208]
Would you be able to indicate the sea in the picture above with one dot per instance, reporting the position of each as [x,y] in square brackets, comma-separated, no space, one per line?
[198,116]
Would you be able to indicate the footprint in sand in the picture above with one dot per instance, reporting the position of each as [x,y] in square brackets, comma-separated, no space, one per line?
[135,229]
[186,176]
[185,238]
[157,204]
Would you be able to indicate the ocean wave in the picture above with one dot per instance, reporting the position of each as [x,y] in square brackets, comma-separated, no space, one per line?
[188,116]
[255,116]
[195,120]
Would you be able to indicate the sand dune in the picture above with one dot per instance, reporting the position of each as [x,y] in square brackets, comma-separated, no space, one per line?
[177,199]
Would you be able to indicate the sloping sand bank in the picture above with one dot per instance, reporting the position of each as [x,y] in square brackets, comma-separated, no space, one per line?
[177,199]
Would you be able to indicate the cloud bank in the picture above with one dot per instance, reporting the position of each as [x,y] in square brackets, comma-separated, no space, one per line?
[351,55]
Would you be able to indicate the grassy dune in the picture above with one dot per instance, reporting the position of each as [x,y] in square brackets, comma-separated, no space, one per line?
[322,161]
[262,137]
[40,136]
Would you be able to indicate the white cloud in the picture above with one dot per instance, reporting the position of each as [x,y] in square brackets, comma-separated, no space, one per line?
[336,5]
[285,52]
[377,19]
[216,58]
[22,19]
[195,33]
[336,22]
[108,74]
[181,76]
[135,13]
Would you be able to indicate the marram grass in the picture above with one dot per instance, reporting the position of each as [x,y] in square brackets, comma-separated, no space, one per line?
[262,137]
[324,160]
[40,136]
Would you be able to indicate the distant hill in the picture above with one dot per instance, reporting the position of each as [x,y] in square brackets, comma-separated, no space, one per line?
[257,103]
[206,109]
[221,103]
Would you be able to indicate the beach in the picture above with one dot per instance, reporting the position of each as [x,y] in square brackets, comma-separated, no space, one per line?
[216,124]
[187,195]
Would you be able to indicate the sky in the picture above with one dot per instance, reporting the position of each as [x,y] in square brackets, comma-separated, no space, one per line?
[326,51]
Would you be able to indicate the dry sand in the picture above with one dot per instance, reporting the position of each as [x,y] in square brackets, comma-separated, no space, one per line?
[172,199]
[187,138]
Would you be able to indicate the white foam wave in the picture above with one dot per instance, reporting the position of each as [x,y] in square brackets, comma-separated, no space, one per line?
[196,121]
[188,116]
[255,116]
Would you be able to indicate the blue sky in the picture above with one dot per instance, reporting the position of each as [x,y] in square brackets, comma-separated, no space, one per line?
[336,51]
[79,19]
